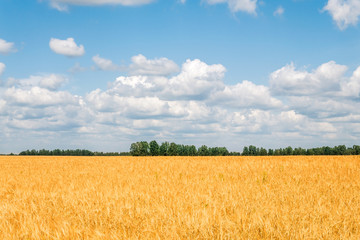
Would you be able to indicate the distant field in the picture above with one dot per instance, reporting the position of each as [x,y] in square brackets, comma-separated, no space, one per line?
[298,197]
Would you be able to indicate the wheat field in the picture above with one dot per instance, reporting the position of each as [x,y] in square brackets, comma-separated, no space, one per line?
[293,197]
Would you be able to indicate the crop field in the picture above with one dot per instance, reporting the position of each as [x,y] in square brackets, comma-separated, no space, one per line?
[292,197]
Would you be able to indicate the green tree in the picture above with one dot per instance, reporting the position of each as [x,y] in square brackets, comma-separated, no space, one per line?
[154,148]
[340,150]
[135,149]
[173,149]
[289,151]
[245,151]
[192,150]
[144,148]
[271,152]
[263,152]
[356,149]
[253,151]
[277,152]
[203,151]
[223,151]
[164,147]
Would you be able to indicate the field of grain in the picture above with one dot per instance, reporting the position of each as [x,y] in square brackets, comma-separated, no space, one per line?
[180,197]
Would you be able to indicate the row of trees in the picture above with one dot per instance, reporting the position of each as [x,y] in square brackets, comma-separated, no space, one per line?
[337,150]
[77,152]
[144,148]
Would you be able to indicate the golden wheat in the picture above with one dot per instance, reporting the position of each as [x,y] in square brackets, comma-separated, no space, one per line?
[180,197]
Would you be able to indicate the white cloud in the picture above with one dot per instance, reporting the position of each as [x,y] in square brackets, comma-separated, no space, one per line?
[246,94]
[6,47]
[37,97]
[47,81]
[273,122]
[325,93]
[66,47]
[194,106]
[160,66]
[344,12]
[104,64]
[52,81]
[132,107]
[352,87]
[289,81]
[137,85]
[2,68]
[62,5]
[279,11]
[197,80]
[237,5]
[323,107]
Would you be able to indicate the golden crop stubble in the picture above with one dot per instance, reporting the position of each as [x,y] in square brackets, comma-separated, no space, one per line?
[180,197]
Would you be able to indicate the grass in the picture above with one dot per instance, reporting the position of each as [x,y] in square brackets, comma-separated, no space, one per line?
[294,197]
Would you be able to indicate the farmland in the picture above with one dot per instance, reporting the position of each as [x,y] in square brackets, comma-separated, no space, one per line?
[283,197]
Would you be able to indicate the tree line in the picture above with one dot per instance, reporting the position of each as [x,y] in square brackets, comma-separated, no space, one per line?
[68,152]
[144,148]
[326,150]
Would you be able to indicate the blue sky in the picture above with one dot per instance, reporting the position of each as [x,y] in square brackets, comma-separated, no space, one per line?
[99,74]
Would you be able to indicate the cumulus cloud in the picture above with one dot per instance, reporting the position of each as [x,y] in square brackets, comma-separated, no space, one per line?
[197,80]
[277,123]
[2,68]
[104,64]
[48,81]
[6,47]
[318,107]
[66,47]
[37,97]
[131,107]
[290,81]
[160,66]
[62,5]
[344,12]
[351,87]
[325,93]
[188,94]
[194,105]
[238,5]
[246,94]
[138,85]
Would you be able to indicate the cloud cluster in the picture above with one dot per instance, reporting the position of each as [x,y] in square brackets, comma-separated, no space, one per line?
[66,47]
[324,93]
[237,5]
[325,80]
[6,47]
[47,81]
[194,104]
[344,12]
[62,5]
